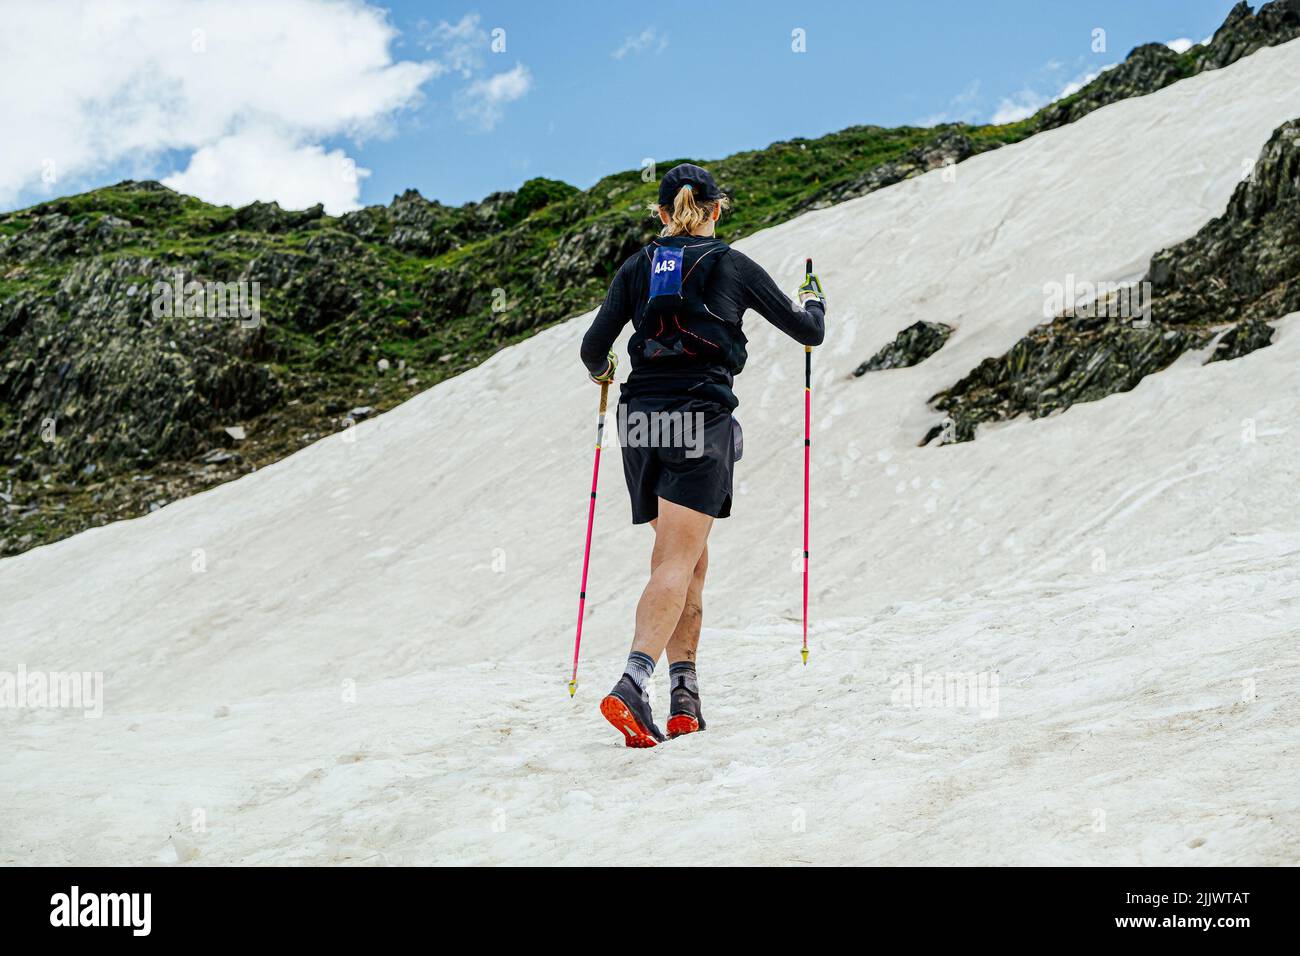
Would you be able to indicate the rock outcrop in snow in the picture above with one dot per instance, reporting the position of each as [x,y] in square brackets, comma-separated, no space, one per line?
[913,345]
[1239,272]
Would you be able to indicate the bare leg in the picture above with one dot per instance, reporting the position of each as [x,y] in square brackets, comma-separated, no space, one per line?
[686,636]
[680,539]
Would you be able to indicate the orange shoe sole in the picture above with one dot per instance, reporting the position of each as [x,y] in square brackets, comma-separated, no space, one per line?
[617,713]
[680,724]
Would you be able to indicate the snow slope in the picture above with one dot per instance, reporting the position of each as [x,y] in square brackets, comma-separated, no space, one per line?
[372,666]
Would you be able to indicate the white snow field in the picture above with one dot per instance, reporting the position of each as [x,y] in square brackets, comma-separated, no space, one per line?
[372,667]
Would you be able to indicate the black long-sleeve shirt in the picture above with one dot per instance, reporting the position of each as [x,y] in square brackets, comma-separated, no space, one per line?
[737,284]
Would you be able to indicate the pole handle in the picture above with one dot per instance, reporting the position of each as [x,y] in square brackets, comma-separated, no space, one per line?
[807,271]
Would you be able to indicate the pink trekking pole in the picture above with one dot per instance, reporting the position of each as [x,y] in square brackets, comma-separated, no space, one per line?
[591,520]
[807,456]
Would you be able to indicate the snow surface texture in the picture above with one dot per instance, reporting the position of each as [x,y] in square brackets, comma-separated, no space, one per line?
[372,668]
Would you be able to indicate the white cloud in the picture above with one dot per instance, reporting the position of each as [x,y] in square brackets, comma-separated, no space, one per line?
[459,45]
[969,106]
[483,101]
[85,87]
[1181,45]
[257,164]
[1075,85]
[1079,82]
[647,39]
[460,48]
[1020,106]
[962,108]
[1028,102]
[967,96]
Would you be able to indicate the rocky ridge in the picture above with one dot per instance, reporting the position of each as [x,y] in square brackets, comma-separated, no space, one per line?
[1223,286]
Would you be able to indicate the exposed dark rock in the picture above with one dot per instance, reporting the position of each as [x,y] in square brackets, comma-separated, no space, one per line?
[418,226]
[269,217]
[913,345]
[588,253]
[1240,270]
[948,146]
[1057,365]
[1148,68]
[1153,66]
[1242,339]
[107,379]
[1245,264]
[57,237]
[1243,33]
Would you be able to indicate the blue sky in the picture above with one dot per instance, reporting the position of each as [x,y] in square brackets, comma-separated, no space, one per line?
[718,77]
[349,102]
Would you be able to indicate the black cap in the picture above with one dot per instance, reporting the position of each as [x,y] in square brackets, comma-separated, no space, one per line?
[687,174]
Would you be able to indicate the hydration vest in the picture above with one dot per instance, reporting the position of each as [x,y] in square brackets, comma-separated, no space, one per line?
[675,327]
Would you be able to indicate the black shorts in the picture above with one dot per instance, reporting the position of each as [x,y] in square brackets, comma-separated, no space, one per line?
[681,450]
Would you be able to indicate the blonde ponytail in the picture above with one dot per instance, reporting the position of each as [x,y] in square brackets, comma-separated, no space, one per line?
[688,215]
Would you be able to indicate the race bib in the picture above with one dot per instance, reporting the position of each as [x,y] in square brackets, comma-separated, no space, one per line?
[666,272]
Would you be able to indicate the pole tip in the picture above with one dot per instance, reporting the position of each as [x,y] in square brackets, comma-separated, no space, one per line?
[573,687]
[804,652]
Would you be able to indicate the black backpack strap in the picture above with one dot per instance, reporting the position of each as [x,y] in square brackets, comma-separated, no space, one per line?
[718,247]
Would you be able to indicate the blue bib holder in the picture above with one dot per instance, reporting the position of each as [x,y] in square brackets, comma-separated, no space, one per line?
[666,271]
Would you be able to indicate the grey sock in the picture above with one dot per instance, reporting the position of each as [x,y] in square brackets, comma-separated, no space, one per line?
[639,668]
[682,674]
